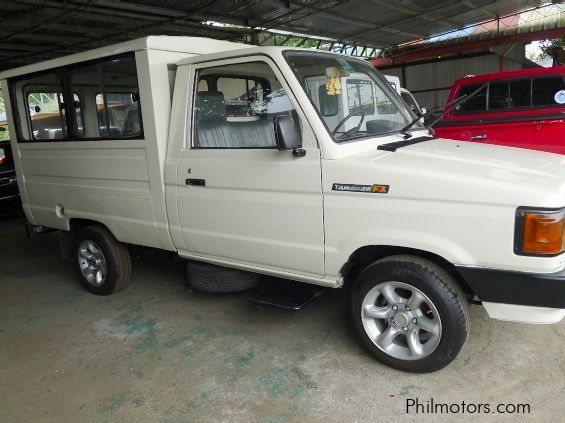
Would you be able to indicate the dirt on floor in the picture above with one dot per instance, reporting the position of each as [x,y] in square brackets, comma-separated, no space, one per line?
[160,352]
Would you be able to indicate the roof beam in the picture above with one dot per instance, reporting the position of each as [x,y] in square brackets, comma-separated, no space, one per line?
[471,4]
[34,36]
[417,11]
[134,7]
[20,47]
[81,28]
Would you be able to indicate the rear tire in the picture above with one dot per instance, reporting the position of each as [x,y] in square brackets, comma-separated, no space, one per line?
[409,313]
[209,278]
[104,264]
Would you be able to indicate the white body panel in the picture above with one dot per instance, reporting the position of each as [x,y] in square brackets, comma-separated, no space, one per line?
[394,82]
[524,314]
[118,182]
[273,213]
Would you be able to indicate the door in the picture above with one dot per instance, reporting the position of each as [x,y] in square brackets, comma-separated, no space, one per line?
[239,198]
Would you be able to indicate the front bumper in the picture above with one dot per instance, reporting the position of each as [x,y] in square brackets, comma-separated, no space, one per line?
[517,288]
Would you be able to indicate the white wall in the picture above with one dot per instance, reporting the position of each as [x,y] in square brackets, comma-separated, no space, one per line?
[441,75]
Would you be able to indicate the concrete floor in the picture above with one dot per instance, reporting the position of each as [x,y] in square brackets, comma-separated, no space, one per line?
[160,352]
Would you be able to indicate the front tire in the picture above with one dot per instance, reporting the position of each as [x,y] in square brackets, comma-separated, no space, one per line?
[104,263]
[409,313]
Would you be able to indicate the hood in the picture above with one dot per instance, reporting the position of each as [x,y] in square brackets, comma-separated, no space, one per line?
[467,171]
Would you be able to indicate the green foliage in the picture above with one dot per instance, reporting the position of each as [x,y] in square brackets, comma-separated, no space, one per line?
[549,48]
[294,41]
[4,135]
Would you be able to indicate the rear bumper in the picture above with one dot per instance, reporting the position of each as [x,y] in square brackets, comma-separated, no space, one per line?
[517,288]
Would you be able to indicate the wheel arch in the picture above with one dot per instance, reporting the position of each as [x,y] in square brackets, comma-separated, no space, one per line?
[368,254]
[67,239]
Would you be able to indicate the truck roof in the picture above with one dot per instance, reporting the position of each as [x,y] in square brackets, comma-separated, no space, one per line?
[510,74]
[189,45]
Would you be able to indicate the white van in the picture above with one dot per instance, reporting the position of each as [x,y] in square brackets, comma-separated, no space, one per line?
[225,155]
[406,95]
[359,102]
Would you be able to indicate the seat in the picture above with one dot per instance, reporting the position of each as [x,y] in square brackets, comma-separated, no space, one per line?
[214,131]
[255,134]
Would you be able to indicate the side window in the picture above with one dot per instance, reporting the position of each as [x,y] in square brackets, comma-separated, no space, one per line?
[109,106]
[240,106]
[544,90]
[41,109]
[104,103]
[498,95]
[118,114]
[4,130]
[477,103]
[360,97]
[46,110]
[520,93]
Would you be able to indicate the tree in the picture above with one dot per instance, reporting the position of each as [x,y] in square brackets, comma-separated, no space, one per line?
[552,49]
[295,41]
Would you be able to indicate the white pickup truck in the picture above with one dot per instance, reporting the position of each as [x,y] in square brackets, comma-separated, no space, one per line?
[225,154]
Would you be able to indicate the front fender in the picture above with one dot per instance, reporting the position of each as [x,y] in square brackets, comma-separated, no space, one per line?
[419,240]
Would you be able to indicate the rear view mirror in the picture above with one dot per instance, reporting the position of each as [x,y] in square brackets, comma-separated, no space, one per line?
[288,135]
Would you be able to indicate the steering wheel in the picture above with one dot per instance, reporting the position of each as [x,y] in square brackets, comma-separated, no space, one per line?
[345,119]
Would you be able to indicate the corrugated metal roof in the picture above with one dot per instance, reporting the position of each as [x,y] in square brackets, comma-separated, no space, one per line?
[33,30]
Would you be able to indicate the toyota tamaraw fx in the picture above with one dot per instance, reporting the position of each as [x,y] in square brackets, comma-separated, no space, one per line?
[248,158]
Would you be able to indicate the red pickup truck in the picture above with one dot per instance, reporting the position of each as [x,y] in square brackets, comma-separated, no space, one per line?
[524,108]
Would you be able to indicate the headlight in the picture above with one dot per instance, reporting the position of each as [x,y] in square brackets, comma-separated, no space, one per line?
[540,232]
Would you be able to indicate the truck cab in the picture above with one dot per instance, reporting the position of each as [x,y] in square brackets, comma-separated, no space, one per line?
[296,164]
[523,108]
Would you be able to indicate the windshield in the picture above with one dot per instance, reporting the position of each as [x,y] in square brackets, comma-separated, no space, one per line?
[351,97]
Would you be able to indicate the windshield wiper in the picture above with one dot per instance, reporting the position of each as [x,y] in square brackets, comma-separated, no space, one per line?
[393,146]
[457,102]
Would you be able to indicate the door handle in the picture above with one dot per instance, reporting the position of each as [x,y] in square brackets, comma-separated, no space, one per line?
[479,137]
[196,182]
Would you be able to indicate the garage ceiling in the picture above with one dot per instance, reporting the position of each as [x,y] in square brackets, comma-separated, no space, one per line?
[33,30]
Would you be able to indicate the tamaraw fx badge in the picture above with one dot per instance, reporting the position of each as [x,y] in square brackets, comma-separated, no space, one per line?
[374,189]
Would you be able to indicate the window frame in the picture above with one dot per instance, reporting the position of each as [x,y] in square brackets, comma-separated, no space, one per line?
[107,114]
[64,81]
[544,106]
[358,83]
[508,109]
[189,143]
[28,89]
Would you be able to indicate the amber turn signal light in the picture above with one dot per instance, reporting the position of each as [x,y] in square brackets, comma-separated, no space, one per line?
[543,233]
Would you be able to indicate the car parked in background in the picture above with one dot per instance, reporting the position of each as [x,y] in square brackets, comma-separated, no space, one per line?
[524,108]
[406,95]
[9,195]
[409,98]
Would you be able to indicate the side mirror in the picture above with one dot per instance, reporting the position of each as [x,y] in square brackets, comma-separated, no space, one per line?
[288,136]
